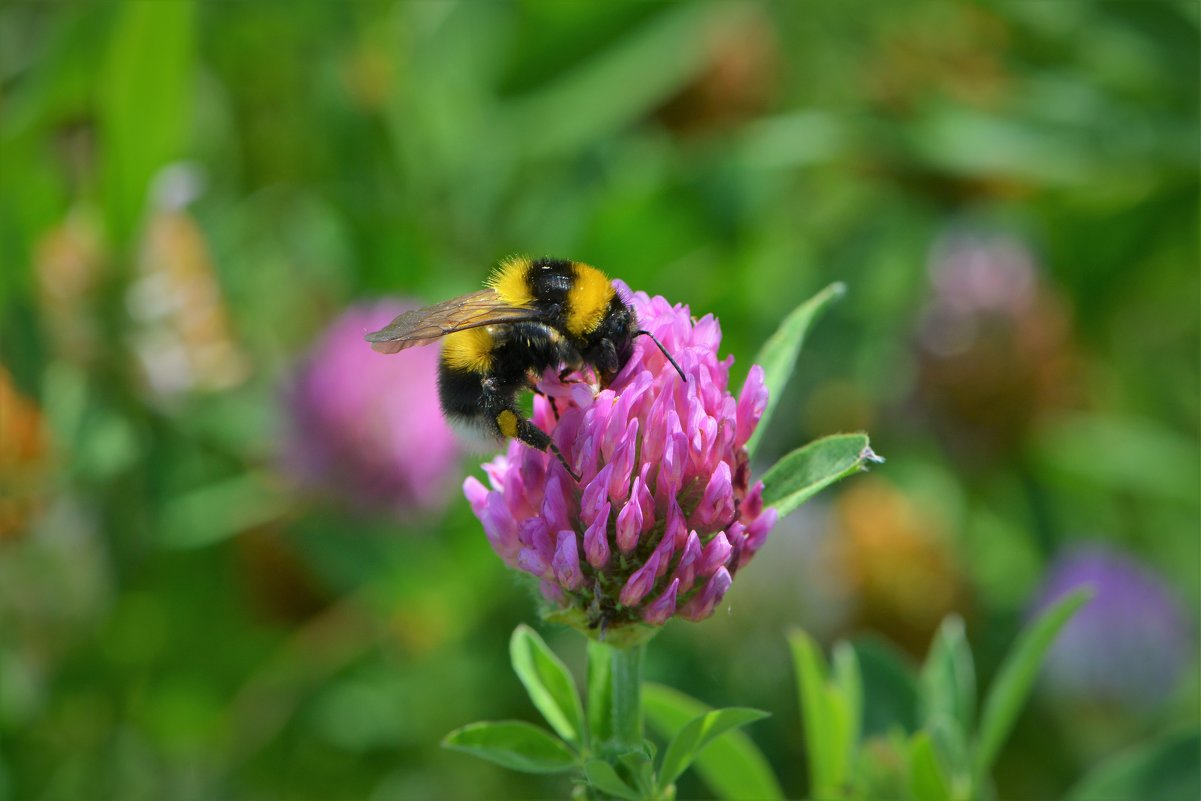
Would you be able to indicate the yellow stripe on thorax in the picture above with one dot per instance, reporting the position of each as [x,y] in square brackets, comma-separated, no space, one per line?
[587,300]
[469,350]
[510,280]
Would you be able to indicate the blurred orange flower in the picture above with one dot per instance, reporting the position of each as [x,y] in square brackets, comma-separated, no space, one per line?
[24,446]
[896,567]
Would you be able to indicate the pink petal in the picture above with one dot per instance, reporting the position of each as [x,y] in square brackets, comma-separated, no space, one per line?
[596,540]
[566,562]
[663,607]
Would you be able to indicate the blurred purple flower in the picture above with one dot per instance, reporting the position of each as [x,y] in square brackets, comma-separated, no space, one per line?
[994,346]
[368,427]
[1129,644]
[664,513]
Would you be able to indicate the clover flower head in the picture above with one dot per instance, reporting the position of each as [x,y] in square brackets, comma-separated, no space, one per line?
[664,513]
[1130,644]
[365,427]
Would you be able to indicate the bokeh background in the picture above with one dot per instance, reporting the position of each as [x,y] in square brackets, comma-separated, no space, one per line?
[234,558]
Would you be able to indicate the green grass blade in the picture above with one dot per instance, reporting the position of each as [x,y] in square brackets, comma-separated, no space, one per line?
[816,717]
[1016,677]
[145,99]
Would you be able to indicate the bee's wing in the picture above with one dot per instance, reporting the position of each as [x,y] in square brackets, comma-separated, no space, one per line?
[423,326]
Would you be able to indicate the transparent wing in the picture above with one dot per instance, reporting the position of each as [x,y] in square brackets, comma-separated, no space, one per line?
[423,326]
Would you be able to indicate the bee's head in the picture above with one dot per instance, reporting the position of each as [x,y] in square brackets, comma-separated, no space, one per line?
[612,343]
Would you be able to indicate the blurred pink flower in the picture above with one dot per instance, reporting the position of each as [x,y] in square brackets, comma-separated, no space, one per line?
[664,513]
[367,427]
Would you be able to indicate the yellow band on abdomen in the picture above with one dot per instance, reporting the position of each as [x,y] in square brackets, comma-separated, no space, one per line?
[469,350]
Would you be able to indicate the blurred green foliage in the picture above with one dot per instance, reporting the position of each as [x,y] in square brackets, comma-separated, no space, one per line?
[175,621]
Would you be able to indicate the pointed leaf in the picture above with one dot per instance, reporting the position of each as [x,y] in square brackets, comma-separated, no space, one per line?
[948,679]
[841,747]
[555,119]
[806,471]
[513,744]
[640,768]
[926,779]
[145,100]
[1167,770]
[1016,676]
[817,718]
[548,682]
[779,353]
[889,687]
[732,766]
[954,756]
[603,777]
[849,680]
[697,734]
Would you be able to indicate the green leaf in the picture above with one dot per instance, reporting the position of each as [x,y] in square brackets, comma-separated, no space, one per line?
[548,682]
[213,513]
[926,779]
[513,744]
[849,680]
[954,756]
[889,687]
[839,733]
[698,733]
[779,353]
[603,777]
[732,766]
[600,691]
[806,471]
[817,718]
[554,120]
[640,767]
[845,698]
[145,102]
[1016,676]
[948,678]
[1167,769]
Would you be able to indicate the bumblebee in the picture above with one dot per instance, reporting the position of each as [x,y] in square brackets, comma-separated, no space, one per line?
[534,314]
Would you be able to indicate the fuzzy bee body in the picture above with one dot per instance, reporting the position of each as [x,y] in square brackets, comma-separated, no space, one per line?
[535,314]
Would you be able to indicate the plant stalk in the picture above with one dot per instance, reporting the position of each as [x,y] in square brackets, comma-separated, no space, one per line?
[627,696]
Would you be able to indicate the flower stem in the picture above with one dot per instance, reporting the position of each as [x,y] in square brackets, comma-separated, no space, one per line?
[627,696]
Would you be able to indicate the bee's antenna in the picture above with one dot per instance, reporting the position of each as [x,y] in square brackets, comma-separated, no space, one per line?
[640,333]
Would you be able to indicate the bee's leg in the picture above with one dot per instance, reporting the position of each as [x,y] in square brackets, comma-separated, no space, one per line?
[511,425]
